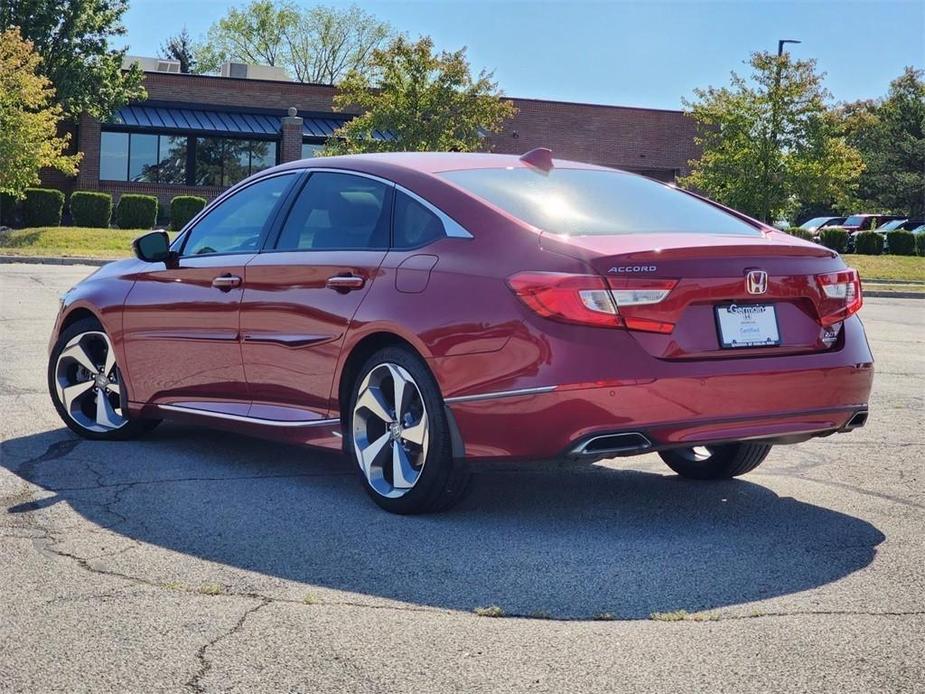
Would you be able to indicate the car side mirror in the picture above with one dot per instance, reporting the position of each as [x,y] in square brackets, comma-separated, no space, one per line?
[153,247]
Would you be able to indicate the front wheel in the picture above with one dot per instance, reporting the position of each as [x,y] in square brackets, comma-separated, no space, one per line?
[716,462]
[399,435]
[86,385]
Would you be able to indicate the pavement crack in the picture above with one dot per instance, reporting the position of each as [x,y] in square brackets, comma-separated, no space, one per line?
[205,663]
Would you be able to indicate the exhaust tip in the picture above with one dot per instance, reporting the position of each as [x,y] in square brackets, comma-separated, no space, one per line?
[858,419]
[612,444]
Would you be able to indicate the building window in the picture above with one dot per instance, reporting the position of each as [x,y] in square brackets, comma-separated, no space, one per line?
[142,158]
[155,158]
[311,149]
[114,157]
[221,161]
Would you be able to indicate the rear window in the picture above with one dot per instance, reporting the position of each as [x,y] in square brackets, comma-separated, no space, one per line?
[587,202]
[855,220]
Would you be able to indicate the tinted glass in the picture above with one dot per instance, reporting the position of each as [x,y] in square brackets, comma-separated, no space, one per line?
[224,161]
[337,211]
[587,201]
[236,224]
[311,149]
[814,223]
[113,156]
[171,167]
[854,221]
[263,155]
[414,225]
[142,163]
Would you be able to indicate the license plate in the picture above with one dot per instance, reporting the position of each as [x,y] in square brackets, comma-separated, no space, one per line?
[747,325]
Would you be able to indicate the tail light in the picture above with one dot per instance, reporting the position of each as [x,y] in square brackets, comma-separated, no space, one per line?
[590,299]
[842,298]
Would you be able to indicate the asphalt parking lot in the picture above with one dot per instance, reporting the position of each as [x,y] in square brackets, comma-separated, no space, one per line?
[201,561]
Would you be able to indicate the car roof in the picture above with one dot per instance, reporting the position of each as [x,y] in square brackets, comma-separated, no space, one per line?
[428,162]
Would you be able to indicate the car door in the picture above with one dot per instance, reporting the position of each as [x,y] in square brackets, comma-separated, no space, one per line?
[180,319]
[301,294]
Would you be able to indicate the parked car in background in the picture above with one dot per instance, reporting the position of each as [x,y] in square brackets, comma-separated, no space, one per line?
[867,222]
[916,226]
[817,223]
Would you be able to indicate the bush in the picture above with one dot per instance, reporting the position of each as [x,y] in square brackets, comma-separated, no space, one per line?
[91,209]
[42,207]
[183,208]
[835,238]
[920,243]
[901,242]
[136,211]
[804,234]
[868,243]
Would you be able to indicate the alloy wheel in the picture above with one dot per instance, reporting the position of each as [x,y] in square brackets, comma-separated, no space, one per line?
[390,430]
[88,384]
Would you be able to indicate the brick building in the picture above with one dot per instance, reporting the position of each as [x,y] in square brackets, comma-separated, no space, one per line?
[199,134]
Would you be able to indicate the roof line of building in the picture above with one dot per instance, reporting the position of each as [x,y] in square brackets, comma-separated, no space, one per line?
[333,88]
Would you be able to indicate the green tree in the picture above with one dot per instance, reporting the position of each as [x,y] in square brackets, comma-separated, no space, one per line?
[771,142]
[890,134]
[180,48]
[29,119]
[317,44]
[72,37]
[427,101]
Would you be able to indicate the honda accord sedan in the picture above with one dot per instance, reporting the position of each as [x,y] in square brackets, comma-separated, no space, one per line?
[424,311]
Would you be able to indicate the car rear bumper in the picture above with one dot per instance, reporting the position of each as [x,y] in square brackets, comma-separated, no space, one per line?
[819,395]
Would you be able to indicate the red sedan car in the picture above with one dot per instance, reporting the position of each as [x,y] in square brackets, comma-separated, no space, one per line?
[420,311]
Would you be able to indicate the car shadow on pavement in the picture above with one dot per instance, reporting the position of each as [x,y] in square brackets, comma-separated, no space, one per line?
[562,541]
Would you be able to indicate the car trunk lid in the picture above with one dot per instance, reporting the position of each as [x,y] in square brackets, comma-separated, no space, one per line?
[711,275]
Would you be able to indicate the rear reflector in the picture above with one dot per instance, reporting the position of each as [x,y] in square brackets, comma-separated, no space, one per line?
[842,292]
[590,299]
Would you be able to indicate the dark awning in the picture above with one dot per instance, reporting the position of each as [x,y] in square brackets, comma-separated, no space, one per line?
[174,118]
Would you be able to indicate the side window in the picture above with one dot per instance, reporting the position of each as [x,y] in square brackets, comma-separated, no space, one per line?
[414,224]
[236,225]
[337,211]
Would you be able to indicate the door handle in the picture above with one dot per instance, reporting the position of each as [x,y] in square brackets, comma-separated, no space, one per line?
[226,282]
[345,283]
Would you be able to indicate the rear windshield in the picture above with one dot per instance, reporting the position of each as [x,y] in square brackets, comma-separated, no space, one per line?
[855,220]
[587,201]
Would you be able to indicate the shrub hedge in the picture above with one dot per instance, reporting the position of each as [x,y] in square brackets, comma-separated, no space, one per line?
[42,207]
[868,243]
[901,242]
[804,234]
[183,208]
[920,243]
[136,211]
[90,209]
[835,238]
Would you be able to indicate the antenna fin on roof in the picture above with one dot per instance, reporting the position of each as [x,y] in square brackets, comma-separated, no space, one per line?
[540,158]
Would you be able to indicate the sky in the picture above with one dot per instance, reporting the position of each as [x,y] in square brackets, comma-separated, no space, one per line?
[648,54]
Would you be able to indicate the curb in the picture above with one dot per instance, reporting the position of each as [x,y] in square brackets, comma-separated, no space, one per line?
[51,260]
[874,294]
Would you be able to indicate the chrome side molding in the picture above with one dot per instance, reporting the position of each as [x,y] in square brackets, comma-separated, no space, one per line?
[500,394]
[250,420]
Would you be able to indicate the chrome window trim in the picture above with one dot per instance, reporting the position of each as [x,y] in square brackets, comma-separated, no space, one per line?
[500,394]
[250,420]
[452,228]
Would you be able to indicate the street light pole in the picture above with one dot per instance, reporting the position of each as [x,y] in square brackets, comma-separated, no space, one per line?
[775,127]
[780,45]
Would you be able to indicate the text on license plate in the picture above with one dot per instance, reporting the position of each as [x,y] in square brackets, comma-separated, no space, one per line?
[747,325]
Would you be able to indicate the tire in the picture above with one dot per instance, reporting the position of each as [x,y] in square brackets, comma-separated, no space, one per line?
[410,466]
[716,462]
[81,354]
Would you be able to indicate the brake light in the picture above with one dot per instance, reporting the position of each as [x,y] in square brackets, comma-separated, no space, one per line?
[590,299]
[843,298]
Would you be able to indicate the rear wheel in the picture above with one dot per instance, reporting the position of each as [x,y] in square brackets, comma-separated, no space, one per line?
[716,462]
[400,436]
[86,385]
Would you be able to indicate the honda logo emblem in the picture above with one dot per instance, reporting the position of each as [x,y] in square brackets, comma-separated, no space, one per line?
[756,282]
